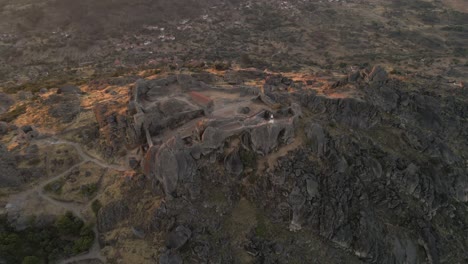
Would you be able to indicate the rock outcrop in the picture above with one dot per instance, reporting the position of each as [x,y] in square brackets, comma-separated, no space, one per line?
[381,177]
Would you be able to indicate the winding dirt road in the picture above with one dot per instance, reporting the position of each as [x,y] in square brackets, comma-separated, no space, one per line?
[75,208]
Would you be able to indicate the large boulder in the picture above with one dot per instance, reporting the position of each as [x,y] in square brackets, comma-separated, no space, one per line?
[171,163]
[170,258]
[178,237]
[266,138]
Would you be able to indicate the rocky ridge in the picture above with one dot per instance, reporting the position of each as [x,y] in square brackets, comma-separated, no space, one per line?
[382,177]
[255,167]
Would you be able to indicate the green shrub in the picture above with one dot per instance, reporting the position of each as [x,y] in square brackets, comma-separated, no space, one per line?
[55,186]
[68,224]
[89,189]
[45,244]
[32,260]
[83,244]
[95,206]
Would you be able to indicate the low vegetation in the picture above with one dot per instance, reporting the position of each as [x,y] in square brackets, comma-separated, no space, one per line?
[89,190]
[66,237]
[55,186]
[96,206]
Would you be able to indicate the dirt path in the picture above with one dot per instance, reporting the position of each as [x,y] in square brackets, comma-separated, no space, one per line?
[459,5]
[75,208]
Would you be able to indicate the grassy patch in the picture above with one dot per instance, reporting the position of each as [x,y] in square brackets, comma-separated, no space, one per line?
[50,83]
[89,190]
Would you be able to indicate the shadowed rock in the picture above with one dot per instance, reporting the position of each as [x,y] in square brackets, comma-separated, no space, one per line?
[170,258]
[317,138]
[178,237]
[233,163]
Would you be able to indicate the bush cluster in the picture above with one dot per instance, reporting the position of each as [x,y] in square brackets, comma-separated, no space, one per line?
[66,237]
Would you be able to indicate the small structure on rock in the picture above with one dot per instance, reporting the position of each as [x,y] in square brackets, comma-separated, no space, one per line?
[168,113]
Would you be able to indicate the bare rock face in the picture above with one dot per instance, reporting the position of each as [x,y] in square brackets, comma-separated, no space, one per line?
[317,139]
[170,106]
[266,138]
[382,178]
[170,164]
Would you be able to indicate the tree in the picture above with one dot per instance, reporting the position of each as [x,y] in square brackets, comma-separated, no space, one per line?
[69,225]
[31,260]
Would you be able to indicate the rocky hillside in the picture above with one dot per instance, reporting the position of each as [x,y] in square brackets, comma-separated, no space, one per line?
[233,132]
[50,43]
[250,166]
